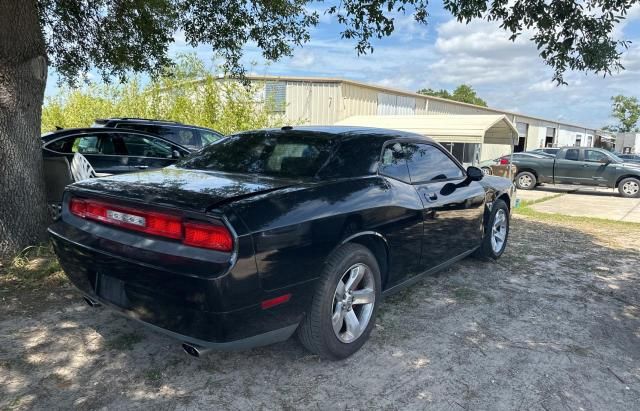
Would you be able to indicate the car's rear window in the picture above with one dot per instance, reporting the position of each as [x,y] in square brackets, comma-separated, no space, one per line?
[266,153]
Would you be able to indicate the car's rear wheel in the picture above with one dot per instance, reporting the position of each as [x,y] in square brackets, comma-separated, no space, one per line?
[496,233]
[629,187]
[344,305]
[526,180]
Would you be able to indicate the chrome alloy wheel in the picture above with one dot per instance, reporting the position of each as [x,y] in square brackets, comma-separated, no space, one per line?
[499,231]
[525,181]
[353,303]
[631,188]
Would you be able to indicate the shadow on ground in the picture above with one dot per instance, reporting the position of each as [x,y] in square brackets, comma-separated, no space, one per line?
[554,324]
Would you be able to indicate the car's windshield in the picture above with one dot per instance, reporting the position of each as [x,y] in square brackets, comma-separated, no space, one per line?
[264,153]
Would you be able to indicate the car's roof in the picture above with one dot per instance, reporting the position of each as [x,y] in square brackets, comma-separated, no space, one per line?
[148,121]
[71,131]
[346,131]
[54,135]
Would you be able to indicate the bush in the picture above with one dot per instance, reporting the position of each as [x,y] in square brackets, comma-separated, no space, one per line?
[186,92]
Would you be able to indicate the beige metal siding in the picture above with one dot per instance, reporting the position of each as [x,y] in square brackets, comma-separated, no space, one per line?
[441,107]
[421,106]
[313,103]
[358,101]
[491,151]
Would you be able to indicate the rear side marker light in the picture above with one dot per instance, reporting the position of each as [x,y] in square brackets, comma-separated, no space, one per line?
[504,161]
[266,304]
[203,235]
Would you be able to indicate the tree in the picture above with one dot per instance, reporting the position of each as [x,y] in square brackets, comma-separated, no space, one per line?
[463,93]
[627,111]
[117,37]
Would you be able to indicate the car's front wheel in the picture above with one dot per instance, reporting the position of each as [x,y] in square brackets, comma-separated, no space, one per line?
[630,187]
[344,305]
[496,232]
[526,180]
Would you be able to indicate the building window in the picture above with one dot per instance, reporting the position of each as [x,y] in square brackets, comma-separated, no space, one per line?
[275,95]
[589,141]
[550,137]
[578,140]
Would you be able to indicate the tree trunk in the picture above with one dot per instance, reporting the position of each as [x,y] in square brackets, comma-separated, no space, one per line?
[23,73]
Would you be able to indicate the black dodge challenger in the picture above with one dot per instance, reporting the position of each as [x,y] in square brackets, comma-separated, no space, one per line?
[275,231]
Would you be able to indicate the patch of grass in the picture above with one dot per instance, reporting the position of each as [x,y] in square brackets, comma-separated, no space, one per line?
[153,376]
[34,267]
[567,219]
[528,203]
[124,342]
[464,293]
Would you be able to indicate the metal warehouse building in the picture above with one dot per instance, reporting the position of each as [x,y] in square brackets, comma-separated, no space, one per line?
[470,132]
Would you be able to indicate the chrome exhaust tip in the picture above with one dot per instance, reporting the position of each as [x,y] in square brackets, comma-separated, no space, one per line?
[194,350]
[90,302]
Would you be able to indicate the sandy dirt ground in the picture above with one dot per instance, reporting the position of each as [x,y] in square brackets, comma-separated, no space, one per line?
[553,325]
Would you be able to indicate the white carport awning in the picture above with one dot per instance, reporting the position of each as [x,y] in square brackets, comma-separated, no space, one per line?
[490,129]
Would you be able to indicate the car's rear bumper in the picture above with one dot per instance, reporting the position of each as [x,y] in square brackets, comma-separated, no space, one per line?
[221,311]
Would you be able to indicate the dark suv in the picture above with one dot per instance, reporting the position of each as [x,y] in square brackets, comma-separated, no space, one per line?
[192,137]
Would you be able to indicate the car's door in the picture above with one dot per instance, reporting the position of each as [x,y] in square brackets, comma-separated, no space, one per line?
[570,168]
[147,152]
[453,206]
[601,169]
[403,229]
[106,155]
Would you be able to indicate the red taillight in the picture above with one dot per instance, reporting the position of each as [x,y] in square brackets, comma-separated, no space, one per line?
[208,236]
[215,237]
[504,161]
[77,207]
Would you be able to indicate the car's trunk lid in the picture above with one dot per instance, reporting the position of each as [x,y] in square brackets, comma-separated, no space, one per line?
[193,190]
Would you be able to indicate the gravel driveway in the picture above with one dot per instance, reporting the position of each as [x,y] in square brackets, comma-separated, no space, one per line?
[555,324]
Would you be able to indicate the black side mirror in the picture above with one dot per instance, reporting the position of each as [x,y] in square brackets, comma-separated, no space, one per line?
[605,160]
[474,173]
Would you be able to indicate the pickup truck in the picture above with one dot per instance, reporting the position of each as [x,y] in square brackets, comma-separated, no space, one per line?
[581,166]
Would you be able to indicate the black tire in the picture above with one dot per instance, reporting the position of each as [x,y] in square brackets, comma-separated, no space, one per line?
[316,331]
[486,249]
[526,180]
[629,187]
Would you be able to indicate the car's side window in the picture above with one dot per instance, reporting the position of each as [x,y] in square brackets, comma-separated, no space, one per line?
[393,163]
[595,156]
[63,145]
[208,137]
[428,163]
[572,154]
[143,146]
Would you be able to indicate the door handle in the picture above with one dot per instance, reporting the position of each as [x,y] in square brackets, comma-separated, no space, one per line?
[431,196]
[585,165]
[142,167]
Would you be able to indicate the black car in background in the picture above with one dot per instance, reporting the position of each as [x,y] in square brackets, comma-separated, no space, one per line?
[629,158]
[547,150]
[113,151]
[192,137]
[275,231]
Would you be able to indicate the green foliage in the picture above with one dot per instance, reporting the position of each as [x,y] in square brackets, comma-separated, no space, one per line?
[627,111]
[186,92]
[463,93]
[115,37]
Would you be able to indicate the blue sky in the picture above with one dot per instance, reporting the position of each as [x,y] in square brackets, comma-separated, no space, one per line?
[446,53]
